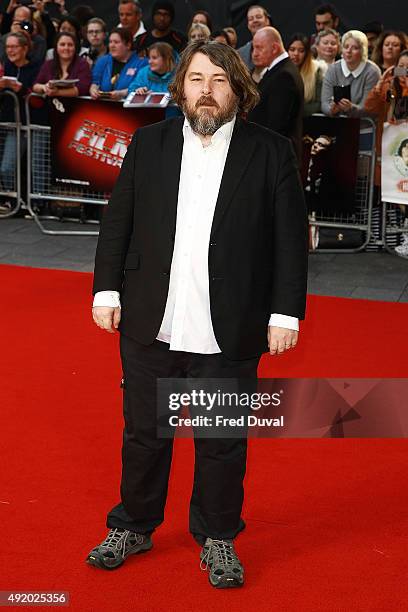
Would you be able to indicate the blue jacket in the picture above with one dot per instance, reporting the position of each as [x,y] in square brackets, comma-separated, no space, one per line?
[153,81]
[102,72]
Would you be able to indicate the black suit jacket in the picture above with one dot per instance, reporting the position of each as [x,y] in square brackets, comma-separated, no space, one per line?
[281,105]
[258,246]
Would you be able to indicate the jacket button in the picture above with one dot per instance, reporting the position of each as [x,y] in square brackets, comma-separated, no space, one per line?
[165,273]
[213,243]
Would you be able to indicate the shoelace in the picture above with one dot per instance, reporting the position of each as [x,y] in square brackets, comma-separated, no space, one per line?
[118,539]
[224,552]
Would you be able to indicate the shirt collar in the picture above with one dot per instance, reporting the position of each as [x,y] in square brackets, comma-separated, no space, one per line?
[346,71]
[278,59]
[223,133]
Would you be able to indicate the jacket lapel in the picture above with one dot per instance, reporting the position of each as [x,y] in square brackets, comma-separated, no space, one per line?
[239,154]
[172,149]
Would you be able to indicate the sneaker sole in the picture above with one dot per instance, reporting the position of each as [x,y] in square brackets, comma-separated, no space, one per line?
[97,560]
[226,583]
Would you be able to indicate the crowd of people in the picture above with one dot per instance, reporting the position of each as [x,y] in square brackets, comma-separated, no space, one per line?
[41,43]
[350,74]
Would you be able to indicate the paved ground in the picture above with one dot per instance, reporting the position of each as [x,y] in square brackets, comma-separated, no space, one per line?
[375,276]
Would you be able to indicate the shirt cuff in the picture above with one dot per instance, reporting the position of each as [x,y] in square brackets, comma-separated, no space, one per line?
[107,298]
[280,320]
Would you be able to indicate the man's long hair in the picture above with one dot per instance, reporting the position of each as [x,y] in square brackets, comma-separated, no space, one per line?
[226,58]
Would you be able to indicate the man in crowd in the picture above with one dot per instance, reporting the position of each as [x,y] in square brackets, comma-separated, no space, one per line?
[326,18]
[96,33]
[281,87]
[18,13]
[257,18]
[372,30]
[22,19]
[204,266]
[162,17]
[130,17]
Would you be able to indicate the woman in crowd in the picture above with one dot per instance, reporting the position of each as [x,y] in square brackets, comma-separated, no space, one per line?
[201,17]
[113,73]
[23,74]
[221,36]
[354,72]
[199,31]
[327,46]
[157,75]
[232,36]
[17,66]
[388,102]
[65,65]
[311,71]
[388,48]
[71,25]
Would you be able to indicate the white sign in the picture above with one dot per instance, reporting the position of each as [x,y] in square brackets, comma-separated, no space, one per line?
[394,163]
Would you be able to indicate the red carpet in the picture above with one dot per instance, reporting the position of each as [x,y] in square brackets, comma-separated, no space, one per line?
[327,520]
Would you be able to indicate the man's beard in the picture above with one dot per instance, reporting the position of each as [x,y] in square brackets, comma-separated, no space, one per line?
[203,121]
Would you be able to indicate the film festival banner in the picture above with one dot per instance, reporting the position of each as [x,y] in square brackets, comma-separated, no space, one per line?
[329,168]
[89,140]
[394,163]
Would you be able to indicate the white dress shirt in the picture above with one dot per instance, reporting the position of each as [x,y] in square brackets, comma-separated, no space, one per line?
[186,323]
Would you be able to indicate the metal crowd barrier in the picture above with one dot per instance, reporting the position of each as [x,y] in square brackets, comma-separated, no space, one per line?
[41,188]
[11,150]
[360,217]
[394,225]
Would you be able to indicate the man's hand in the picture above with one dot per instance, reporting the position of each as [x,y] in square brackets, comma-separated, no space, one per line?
[106,318]
[280,339]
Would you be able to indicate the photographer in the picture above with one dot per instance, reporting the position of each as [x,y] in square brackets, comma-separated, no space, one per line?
[21,19]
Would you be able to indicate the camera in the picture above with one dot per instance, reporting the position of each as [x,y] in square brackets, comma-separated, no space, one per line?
[400,71]
[27,26]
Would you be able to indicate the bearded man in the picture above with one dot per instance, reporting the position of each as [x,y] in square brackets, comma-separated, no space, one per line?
[202,259]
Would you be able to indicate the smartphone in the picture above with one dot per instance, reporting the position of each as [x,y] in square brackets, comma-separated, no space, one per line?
[400,71]
[340,92]
[105,94]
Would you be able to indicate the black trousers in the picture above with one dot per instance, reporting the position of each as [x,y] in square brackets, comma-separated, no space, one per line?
[220,464]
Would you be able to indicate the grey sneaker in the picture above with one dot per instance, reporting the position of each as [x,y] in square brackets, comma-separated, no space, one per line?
[118,545]
[221,559]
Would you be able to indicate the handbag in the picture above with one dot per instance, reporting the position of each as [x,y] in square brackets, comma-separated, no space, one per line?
[339,238]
